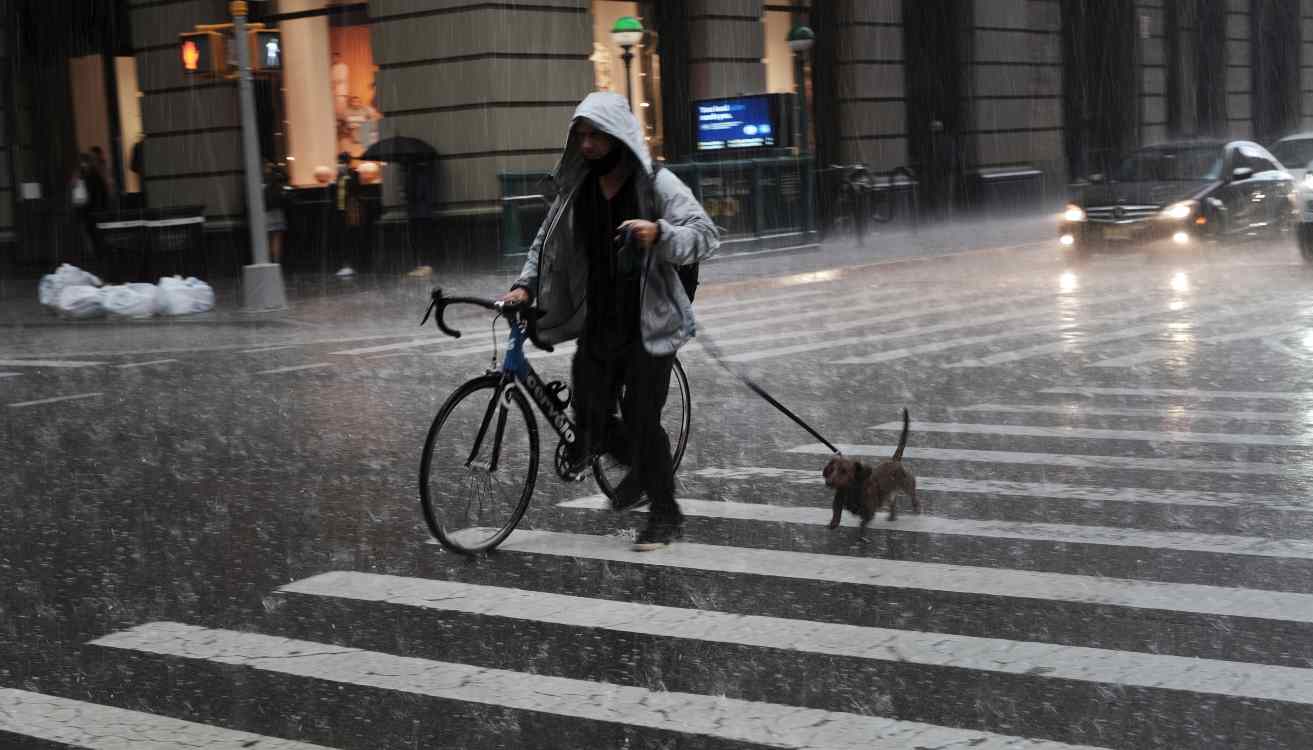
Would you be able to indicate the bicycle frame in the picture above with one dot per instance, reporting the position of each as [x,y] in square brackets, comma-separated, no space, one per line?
[518,373]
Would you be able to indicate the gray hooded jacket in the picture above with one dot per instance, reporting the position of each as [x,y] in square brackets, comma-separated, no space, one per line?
[556,272]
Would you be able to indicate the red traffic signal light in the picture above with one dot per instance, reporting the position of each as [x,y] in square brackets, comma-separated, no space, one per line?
[200,52]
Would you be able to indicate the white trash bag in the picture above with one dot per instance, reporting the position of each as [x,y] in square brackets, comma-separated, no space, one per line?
[66,275]
[131,300]
[179,296]
[80,301]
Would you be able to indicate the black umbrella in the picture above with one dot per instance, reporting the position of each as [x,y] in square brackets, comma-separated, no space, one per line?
[401,149]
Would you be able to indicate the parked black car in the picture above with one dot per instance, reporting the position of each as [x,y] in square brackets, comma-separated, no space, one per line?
[1178,195]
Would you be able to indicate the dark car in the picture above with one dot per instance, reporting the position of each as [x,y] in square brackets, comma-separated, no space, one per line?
[1180,194]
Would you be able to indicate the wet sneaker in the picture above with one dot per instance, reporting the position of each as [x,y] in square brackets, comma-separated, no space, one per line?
[345,272]
[658,534]
[628,495]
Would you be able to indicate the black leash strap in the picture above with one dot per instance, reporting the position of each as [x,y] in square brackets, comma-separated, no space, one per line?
[710,345]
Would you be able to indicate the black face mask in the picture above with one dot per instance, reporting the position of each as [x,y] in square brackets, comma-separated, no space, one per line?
[608,163]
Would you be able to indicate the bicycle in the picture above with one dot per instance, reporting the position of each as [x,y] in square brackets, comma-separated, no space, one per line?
[473,495]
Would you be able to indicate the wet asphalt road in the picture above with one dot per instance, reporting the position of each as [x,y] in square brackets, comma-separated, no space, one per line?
[212,532]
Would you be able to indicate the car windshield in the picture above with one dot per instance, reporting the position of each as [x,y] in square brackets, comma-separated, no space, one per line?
[1165,164]
[1294,154]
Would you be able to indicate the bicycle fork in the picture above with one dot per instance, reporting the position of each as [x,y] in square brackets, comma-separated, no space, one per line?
[498,403]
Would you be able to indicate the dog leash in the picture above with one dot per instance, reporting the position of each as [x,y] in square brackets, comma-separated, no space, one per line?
[709,344]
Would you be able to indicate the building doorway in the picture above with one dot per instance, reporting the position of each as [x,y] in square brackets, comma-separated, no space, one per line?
[1101,90]
[933,32]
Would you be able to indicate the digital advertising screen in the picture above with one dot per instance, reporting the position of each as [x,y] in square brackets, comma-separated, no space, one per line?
[742,122]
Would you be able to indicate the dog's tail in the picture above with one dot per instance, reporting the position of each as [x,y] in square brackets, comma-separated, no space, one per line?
[902,439]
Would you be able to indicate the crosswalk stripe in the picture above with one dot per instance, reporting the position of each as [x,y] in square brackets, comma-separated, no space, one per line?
[927,576]
[1042,660]
[1121,334]
[55,400]
[1072,460]
[1050,490]
[1170,413]
[683,713]
[9,374]
[824,341]
[1189,392]
[1156,354]
[412,344]
[79,724]
[1058,533]
[1090,433]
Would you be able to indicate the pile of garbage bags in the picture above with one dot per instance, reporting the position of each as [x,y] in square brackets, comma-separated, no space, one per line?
[74,293]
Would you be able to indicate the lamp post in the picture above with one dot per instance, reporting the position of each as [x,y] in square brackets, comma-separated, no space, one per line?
[801,40]
[262,281]
[627,32]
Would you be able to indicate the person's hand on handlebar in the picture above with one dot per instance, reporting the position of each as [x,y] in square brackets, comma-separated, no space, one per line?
[516,296]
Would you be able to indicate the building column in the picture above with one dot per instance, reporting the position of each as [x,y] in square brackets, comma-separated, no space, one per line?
[726,47]
[871,103]
[1239,69]
[193,148]
[491,89]
[1151,38]
[8,191]
[1306,64]
[311,121]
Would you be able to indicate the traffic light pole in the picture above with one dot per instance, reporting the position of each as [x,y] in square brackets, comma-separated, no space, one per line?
[262,281]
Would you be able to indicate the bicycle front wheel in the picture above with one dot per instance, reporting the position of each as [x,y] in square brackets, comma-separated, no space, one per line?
[675,417]
[479,465]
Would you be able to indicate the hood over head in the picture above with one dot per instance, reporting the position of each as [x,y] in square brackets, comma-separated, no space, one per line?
[608,112]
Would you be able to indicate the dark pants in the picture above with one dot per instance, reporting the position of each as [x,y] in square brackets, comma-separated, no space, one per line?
[646,382]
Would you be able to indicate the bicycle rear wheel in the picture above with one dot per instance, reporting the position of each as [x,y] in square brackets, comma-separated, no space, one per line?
[676,418]
[479,465]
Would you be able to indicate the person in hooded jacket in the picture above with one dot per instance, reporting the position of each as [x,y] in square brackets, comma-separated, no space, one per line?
[623,300]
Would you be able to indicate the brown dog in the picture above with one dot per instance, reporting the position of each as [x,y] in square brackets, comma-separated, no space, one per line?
[862,490]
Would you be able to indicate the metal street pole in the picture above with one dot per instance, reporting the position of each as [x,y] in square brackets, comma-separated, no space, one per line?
[262,287]
[804,143]
[628,57]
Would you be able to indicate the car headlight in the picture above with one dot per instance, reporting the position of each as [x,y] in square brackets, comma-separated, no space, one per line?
[1179,211]
[1073,213]
[1308,181]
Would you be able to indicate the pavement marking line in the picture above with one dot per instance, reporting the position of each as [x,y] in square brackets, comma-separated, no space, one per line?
[96,727]
[1061,347]
[1091,433]
[1060,533]
[60,363]
[296,368]
[261,349]
[412,344]
[937,346]
[718,717]
[1168,413]
[1154,355]
[997,655]
[1073,460]
[1046,490]
[145,364]
[1190,598]
[1190,392]
[54,400]
[10,374]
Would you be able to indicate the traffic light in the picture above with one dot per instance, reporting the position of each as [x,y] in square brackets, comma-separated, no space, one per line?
[266,50]
[201,52]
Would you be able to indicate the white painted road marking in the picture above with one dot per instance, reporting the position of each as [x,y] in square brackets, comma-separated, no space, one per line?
[95,727]
[1073,460]
[295,368]
[10,374]
[683,713]
[145,364]
[276,347]
[1189,392]
[54,400]
[59,363]
[1049,490]
[1186,541]
[412,344]
[1041,660]
[1165,414]
[1090,433]
[1160,353]
[1078,343]
[932,577]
